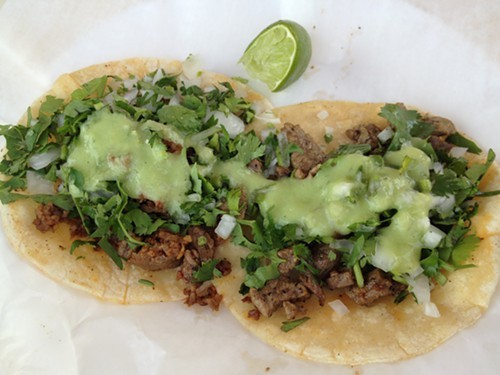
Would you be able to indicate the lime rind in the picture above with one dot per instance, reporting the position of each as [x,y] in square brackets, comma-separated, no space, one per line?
[279,55]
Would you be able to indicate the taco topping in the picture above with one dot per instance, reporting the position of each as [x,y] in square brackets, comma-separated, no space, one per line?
[157,172]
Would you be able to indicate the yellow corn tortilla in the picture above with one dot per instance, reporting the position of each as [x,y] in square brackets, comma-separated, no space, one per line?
[87,269]
[384,332]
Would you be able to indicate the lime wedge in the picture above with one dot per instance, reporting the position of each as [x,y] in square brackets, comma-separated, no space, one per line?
[278,55]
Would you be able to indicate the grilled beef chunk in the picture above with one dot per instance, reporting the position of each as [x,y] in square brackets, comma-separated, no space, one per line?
[340,279]
[190,264]
[364,134]
[290,261]
[172,147]
[272,296]
[442,129]
[256,165]
[163,250]
[313,286]
[203,294]
[311,154]
[443,126]
[439,143]
[152,207]
[323,260]
[199,250]
[203,243]
[48,216]
[377,285]
[292,310]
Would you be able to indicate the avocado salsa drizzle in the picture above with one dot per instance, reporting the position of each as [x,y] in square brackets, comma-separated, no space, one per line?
[404,207]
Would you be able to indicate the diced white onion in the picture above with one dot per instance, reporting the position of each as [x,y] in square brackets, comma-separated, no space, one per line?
[39,161]
[191,67]
[438,167]
[342,244]
[420,287]
[417,271]
[182,218]
[385,134]
[260,107]
[430,309]
[266,132]
[37,184]
[129,83]
[209,88]
[108,99]
[322,114]
[195,197]
[443,205]
[339,307]
[268,117]
[458,152]
[283,145]
[158,75]
[175,100]
[60,119]
[130,95]
[233,124]
[328,130]
[432,237]
[271,169]
[226,226]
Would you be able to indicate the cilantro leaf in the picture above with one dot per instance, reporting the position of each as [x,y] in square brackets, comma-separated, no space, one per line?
[259,278]
[288,326]
[449,183]
[111,251]
[407,124]
[207,271]
[459,140]
[464,249]
[249,147]
[477,171]
[94,87]
[146,282]
[182,118]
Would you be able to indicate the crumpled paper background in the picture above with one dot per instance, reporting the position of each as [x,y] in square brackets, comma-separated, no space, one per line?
[441,56]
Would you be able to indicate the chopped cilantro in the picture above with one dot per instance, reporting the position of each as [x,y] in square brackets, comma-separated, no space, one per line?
[407,124]
[146,282]
[288,326]
[207,271]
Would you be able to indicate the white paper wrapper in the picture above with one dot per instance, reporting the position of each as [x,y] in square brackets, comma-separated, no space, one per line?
[440,56]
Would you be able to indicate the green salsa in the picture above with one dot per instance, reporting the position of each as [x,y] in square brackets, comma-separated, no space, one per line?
[112,147]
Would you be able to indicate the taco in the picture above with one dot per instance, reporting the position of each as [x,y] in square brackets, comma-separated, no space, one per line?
[100,157]
[381,244]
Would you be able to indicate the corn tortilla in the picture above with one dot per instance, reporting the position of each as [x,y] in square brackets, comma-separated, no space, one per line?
[384,332]
[88,269]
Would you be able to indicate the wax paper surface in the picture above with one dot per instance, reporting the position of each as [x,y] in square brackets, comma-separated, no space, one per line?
[440,56]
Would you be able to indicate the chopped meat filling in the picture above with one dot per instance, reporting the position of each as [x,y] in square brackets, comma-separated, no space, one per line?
[48,216]
[311,154]
[256,166]
[203,242]
[340,279]
[377,285]
[203,294]
[365,134]
[163,250]
[172,147]
[324,259]
[272,296]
